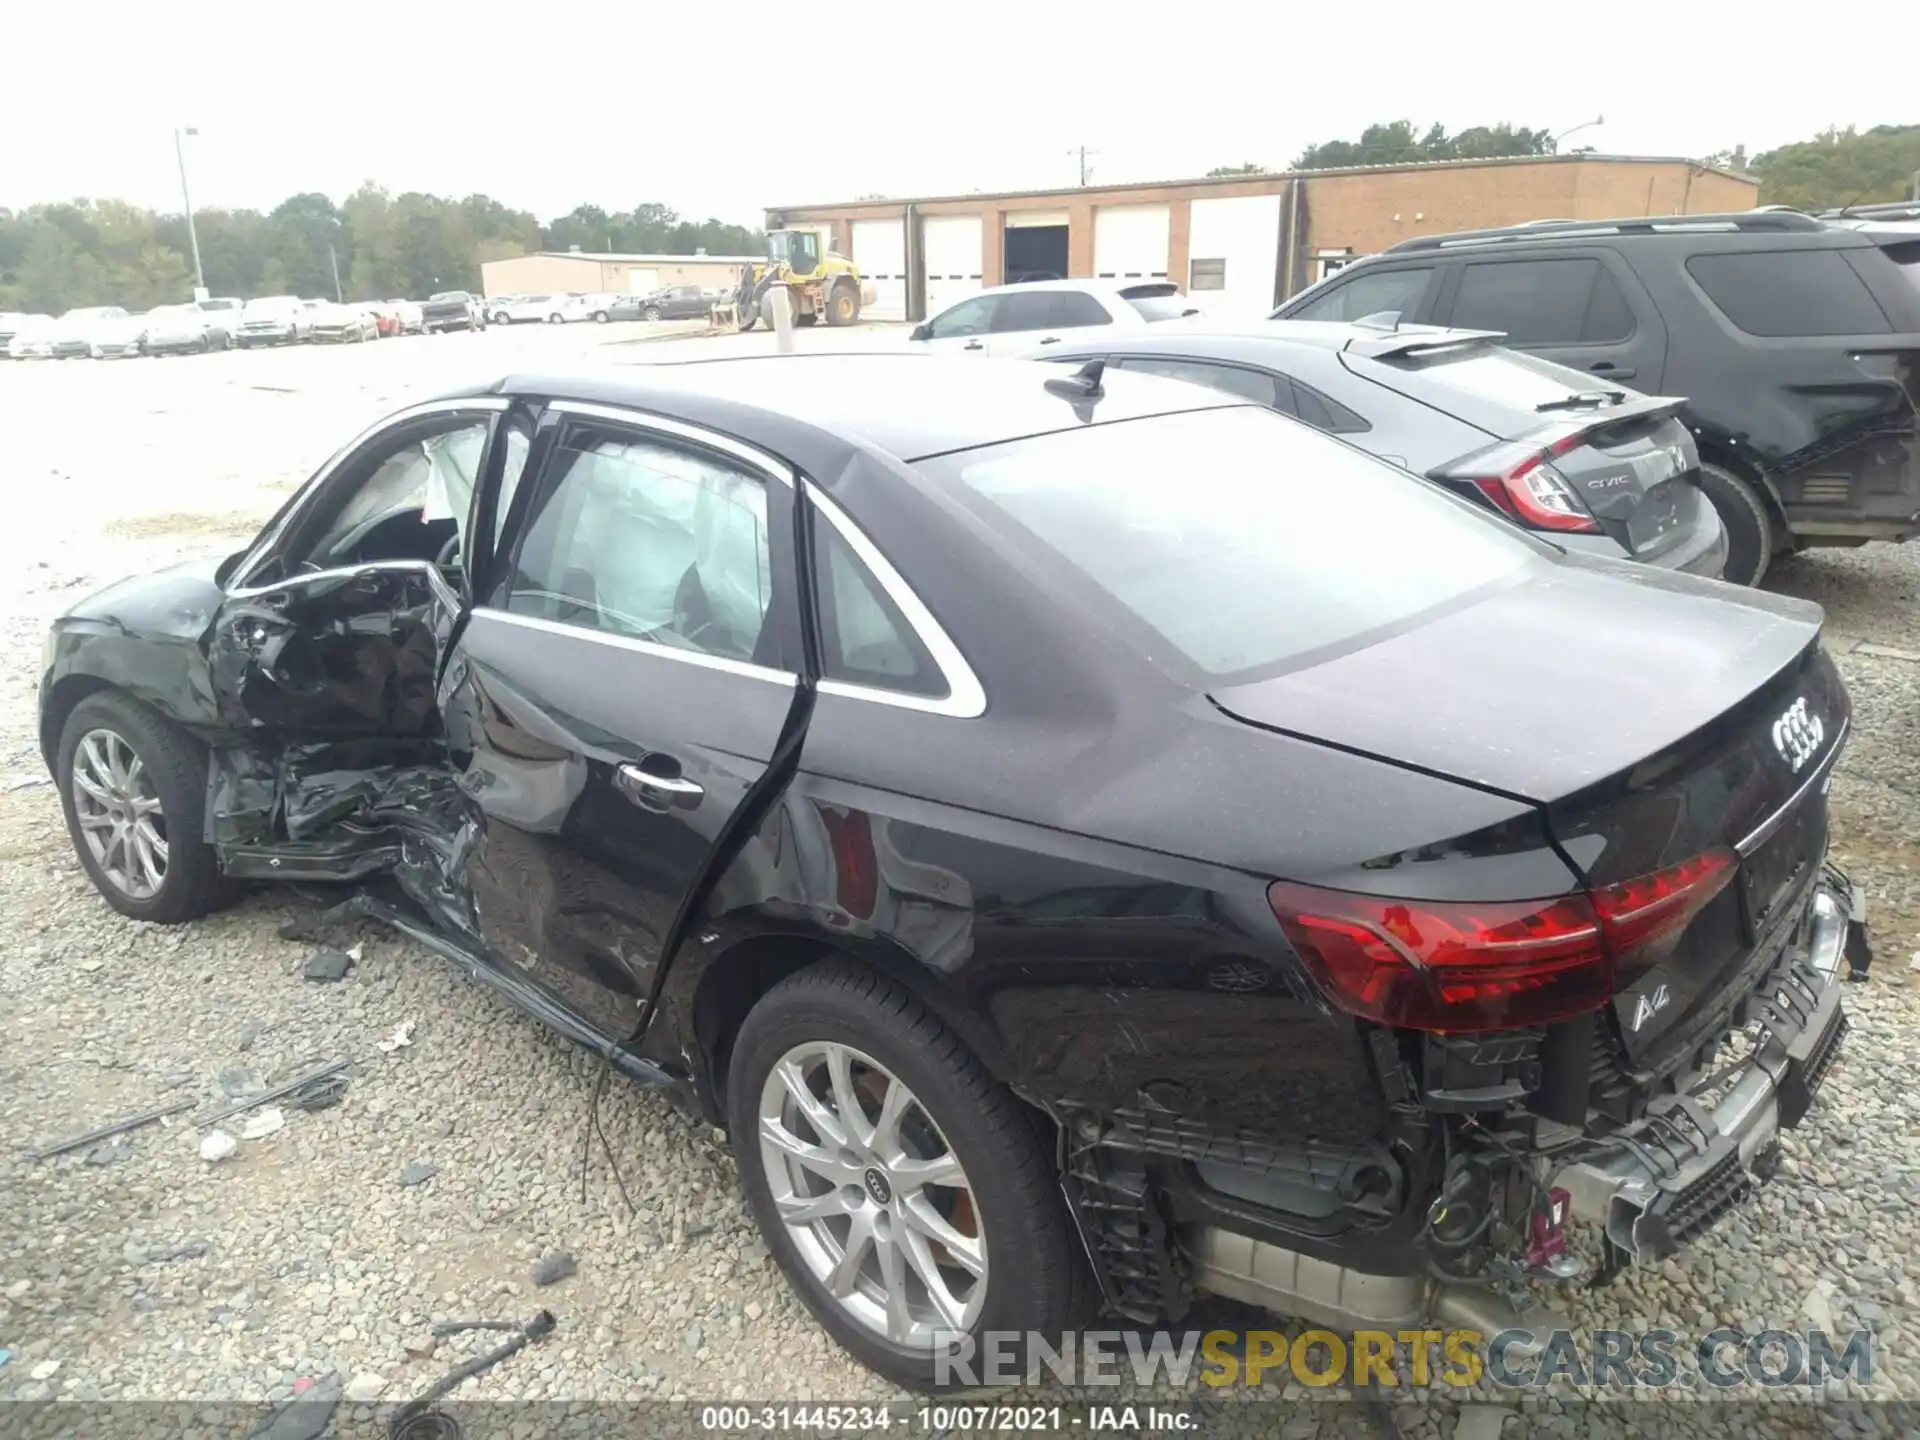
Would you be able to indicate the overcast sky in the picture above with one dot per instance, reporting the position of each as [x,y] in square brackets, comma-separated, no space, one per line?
[547,105]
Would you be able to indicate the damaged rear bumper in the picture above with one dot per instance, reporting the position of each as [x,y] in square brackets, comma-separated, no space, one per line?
[1684,1166]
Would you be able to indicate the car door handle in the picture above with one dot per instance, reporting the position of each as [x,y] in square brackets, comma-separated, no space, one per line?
[973,345]
[1050,340]
[1607,367]
[659,791]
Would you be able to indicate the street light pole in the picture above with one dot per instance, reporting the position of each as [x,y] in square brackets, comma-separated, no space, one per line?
[186,198]
[1583,125]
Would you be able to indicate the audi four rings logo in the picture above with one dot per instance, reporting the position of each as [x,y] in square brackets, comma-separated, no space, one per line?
[1798,735]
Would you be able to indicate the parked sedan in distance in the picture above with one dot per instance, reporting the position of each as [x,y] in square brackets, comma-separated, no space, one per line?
[177,329]
[1141,847]
[16,322]
[32,338]
[342,324]
[516,309]
[1009,319]
[117,337]
[223,314]
[1590,466]
[274,320]
[408,313]
[73,331]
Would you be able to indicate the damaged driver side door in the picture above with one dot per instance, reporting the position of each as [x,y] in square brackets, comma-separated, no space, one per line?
[326,652]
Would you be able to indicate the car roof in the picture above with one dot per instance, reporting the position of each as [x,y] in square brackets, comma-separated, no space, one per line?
[812,409]
[1730,226]
[1113,288]
[1249,339]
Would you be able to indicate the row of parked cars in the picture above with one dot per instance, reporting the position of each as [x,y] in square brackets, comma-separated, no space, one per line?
[1521,367]
[674,302]
[106,332]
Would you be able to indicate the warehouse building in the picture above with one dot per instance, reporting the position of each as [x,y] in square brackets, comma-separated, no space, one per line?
[577,272]
[1244,242]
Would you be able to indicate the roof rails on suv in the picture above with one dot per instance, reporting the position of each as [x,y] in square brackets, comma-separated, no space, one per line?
[1742,220]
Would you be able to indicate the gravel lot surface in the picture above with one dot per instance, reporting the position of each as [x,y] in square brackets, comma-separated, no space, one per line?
[453,1165]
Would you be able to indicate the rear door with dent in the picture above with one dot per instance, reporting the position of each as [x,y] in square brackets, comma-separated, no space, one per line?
[618,693]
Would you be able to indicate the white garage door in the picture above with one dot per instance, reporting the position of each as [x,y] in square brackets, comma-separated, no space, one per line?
[880,250]
[1233,252]
[1130,242]
[952,246]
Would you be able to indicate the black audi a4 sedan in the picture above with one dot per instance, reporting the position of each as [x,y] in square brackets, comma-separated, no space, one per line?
[1081,834]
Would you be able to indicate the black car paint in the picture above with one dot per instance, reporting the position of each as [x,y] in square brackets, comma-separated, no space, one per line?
[1051,888]
[1783,411]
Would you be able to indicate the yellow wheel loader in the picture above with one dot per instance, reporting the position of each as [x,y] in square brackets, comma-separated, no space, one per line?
[818,284]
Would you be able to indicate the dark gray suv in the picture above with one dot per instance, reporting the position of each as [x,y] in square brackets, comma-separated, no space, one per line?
[1796,343]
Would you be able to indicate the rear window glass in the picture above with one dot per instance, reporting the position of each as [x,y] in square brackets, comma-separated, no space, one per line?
[1369,292]
[1229,537]
[1543,302]
[1158,302]
[1789,292]
[1487,385]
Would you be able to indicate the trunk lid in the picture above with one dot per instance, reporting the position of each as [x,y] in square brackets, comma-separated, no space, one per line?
[1653,722]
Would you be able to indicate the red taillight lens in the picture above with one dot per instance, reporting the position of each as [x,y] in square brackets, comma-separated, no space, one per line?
[1518,479]
[1642,918]
[1439,965]
[1500,965]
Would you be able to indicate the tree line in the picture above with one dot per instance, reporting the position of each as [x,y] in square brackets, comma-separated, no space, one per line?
[106,252]
[1836,167]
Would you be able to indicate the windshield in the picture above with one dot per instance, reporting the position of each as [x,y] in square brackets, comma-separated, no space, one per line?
[219,305]
[1234,537]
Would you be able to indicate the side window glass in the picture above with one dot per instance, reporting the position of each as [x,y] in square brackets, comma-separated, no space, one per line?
[1255,385]
[1023,310]
[641,539]
[1536,302]
[1370,292]
[1325,413]
[517,442]
[1072,309]
[969,317]
[864,638]
[1609,317]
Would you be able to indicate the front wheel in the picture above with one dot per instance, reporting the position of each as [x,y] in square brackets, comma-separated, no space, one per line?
[600,317]
[553,319]
[1748,525]
[843,305]
[652,312]
[133,788]
[905,1193]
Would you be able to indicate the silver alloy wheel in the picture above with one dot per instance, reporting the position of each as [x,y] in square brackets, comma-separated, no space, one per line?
[874,1199]
[119,814]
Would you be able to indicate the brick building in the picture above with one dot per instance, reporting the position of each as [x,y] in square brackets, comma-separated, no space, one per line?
[1252,240]
[575,272]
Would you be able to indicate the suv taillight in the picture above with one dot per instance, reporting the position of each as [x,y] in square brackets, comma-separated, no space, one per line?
[1518,480]
[1461,966]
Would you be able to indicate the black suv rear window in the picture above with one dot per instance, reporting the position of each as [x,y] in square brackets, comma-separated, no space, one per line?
[1789,292]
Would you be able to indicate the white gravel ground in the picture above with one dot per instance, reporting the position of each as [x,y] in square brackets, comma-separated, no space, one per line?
[139,1270]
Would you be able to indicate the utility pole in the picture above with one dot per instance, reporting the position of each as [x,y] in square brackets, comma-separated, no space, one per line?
[1085,170]
[193,238]
[334,260]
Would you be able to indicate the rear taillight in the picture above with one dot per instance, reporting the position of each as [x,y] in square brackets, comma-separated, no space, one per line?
[1518,479]
[1500,965]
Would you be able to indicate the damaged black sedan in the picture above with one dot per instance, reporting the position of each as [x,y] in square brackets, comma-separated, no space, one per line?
[1063,826]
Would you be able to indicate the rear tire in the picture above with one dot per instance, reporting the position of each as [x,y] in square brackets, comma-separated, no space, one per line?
[1746,520]
[172,771]
[1000,1204]
[652,313]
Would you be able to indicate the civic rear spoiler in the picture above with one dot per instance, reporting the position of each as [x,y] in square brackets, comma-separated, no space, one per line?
[1415,341]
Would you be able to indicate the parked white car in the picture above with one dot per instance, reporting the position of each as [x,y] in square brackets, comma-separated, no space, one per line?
[32,338]
[172,329]
[117,337]
[223,315]
[1012,319]
[512,309]
[73,332]
[274,320]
